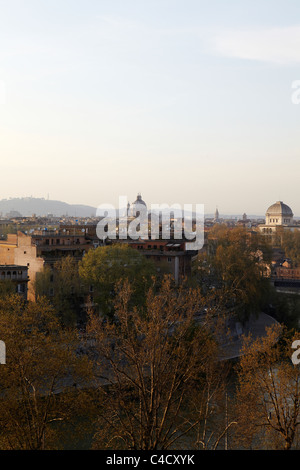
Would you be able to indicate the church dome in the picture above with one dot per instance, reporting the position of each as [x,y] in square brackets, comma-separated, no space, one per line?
[139,200]
[279,208]
[135,207]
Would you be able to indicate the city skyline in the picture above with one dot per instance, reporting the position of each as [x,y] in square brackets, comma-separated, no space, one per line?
[186,102]
[29,206]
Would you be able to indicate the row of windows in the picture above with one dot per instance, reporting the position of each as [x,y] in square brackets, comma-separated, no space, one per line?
[11,274]
[290,272]
[150,247]
[285,221]
[60,241]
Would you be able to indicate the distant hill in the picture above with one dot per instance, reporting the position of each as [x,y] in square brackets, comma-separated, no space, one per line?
[28,206]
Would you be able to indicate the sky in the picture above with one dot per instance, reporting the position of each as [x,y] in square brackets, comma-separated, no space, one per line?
[184,101]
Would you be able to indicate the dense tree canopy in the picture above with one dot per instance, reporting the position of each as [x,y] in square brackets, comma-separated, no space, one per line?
[290,242]
[148,374]
[63,287]
[237,264]
[37,382]
[102,268]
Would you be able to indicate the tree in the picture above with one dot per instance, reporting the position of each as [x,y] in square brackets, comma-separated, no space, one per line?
[11,228]
[7,288]
[152,364]
[102,268]
[237,264]
[211,405]
[268,394]
[290,242]
[61,285]
[37,382]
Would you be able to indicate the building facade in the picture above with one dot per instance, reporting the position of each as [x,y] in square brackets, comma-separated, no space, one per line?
[17,276]
[279,216]
[42,248]
[168,256]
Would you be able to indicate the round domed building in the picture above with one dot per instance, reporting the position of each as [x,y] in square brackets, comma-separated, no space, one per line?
[279,214]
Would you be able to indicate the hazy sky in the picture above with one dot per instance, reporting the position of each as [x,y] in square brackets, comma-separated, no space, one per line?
[185,101]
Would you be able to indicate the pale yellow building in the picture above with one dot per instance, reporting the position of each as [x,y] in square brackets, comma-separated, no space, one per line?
[278,216]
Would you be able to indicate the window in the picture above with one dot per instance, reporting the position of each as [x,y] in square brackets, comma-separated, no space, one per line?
[21,288]
[169,259]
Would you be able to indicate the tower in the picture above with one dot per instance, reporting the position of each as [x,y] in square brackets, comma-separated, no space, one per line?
[216,218]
